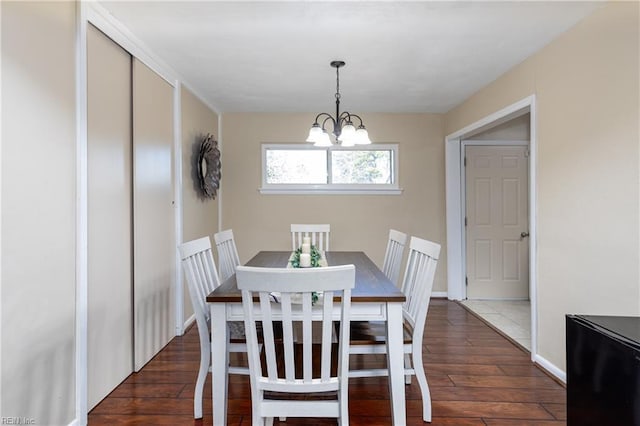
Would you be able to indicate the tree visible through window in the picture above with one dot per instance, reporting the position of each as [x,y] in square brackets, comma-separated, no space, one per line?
[362,167]
[296,166]
[303,167]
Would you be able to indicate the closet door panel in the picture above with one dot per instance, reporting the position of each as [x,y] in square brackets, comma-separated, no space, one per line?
[110,335]
[154,236]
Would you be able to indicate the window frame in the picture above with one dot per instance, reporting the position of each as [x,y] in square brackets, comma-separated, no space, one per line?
[332,188]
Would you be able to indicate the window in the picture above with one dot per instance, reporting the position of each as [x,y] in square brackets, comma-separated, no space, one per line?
[305,169]
[296,166]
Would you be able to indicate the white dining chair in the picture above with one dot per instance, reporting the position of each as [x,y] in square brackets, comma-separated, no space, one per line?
[202,279]
[369,337]
[228,257]
[285,296]
[393,255]
[318,233]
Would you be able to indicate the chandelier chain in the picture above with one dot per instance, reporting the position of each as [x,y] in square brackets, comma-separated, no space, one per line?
[337,82]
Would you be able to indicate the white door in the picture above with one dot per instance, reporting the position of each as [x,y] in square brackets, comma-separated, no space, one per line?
[109,334]
[497,243]
[153,229]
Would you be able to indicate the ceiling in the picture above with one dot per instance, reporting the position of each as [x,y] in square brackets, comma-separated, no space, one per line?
[401,56]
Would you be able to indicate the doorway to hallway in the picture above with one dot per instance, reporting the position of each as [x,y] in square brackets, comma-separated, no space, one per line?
[515,122]
[510,317]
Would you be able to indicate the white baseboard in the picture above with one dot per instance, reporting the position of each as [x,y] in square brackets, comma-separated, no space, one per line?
[439,294]
[551,368]
[188,322]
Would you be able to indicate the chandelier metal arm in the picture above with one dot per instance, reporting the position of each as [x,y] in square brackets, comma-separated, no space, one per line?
[332,120]
[345,116]
[349,115]
[320,115]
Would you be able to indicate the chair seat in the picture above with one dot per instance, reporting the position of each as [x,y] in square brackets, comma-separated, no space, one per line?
[236,331]
[373,333]
[237,334]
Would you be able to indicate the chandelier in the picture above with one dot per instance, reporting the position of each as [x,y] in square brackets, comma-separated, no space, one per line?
[344,131]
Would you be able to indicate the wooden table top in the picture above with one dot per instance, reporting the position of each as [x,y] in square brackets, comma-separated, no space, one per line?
[371,284]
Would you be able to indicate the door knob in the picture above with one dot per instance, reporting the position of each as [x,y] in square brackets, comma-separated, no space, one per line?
[524,235]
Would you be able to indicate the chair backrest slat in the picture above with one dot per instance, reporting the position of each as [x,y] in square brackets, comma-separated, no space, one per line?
[307,338]
[268,336]
[318,234]
[327,328]
[418,281]
[288,338]
[393,255]
[201,274]
[228,257]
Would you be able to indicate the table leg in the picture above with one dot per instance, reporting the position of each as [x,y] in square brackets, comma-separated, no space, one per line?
[219,362]
[395,363]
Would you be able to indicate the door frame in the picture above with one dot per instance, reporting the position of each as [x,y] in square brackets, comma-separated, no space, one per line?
[463,184]
[454,182]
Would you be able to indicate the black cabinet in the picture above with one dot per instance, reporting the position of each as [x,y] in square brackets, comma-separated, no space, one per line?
[603,370]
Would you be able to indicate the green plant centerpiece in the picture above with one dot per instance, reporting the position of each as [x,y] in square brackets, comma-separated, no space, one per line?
[315,256]
[314,253]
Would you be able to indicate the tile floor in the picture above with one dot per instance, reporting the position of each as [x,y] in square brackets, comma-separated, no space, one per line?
[512,317]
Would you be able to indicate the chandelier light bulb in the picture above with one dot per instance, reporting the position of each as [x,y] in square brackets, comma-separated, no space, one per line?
[348,132]
[362,136]
[315,133]
[323,139]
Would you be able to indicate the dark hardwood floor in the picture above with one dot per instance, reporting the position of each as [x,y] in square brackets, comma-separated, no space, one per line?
[476,377]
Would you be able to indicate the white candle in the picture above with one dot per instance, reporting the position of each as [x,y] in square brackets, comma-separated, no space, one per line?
[306,240]
[306,248]
[305,260]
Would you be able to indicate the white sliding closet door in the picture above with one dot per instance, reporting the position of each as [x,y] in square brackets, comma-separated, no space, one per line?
[153,229]
[110,335]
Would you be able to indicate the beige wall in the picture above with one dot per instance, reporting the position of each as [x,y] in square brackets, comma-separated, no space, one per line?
[358,222]
[38,211]
[200,215]
[516,129]
[586,87]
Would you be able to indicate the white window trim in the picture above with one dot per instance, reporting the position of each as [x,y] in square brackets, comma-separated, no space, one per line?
[330,189]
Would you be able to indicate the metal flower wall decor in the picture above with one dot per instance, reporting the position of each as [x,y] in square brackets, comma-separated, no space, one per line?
[209,167]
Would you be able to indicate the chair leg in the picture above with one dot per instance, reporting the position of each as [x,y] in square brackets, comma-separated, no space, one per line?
[268,421]
[257,420]
[424,386]
[205,356]
[407,366]
[343,399]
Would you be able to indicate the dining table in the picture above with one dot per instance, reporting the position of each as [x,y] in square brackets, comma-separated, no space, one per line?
[374,298]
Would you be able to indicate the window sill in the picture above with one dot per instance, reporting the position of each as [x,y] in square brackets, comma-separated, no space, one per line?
[332,191]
